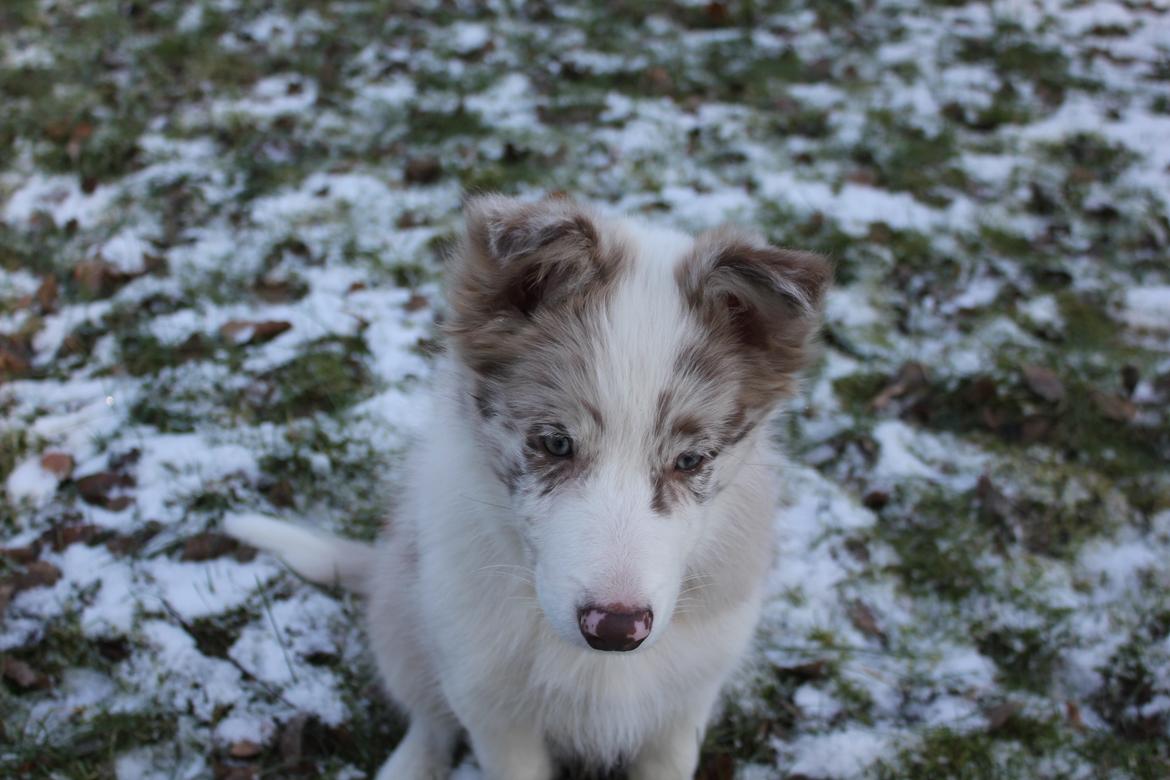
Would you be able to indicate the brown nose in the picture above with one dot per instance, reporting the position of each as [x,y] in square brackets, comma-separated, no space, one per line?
[614,627]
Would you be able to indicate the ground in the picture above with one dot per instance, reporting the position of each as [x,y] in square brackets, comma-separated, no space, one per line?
[221,234]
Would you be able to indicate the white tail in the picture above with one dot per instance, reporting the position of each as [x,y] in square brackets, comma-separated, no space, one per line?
[316,556]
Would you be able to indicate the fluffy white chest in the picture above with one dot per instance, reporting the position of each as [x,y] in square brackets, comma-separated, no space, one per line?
[604,705]
[497,656]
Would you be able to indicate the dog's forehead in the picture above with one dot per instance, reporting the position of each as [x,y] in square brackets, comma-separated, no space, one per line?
[647,325]
[631,361]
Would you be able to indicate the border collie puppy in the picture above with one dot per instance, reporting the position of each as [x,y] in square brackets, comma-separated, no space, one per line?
[577,563]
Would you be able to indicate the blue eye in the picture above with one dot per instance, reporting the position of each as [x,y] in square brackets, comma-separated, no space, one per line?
[558,445]
[689,461]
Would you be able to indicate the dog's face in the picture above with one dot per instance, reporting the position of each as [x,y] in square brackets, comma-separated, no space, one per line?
[619,377]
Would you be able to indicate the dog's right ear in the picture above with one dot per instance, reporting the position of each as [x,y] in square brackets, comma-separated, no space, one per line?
[516,259]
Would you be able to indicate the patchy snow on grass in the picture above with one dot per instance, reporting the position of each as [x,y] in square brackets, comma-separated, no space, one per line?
[1147,308]
[968,574]
[841,755]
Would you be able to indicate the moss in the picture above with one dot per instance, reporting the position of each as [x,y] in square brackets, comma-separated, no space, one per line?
[1007,107]
[1132,681]
[164,417]
[61,644]
[1007,243]
[746,733]
[354,483]
[802,121]
[437,126]
[1016,56]
[906,158]
[1090,155]
[214,635]
[329,376]
[1012,751]
[143,354]
[109,149]
[13,447]
[857,390]
[193,60]
[1079,429]
[938,540]
[1026,657]
[87,751]
[945,754]
[1140,760]
[817,232]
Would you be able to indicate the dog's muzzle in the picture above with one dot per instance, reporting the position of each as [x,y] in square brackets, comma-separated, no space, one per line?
[615,627]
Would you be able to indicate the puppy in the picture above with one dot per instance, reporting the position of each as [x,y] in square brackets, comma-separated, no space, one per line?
[578,560]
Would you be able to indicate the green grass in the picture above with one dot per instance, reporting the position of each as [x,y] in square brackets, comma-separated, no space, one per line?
[720,100]
[89,749]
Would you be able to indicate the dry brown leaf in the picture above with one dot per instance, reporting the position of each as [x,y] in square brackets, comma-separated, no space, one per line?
[1114,407]
[208,546]
[1000,714]
[37,574]
[863,619]
[241,332]
[245,748]
[24,676]
[1043,383]
[59,464]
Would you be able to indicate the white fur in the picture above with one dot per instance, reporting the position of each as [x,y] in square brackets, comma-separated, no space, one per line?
[473,593]
[313,555]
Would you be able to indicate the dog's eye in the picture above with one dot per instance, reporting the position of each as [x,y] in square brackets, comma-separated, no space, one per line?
[689,461]
[558,445]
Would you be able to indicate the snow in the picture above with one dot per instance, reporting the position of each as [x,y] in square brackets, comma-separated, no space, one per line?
[466,37]
[910,453]
[838,756]
[31,482]
[125,251]
[676,143]
[1043,310]
[58,197]
[850,306]
[1147,307]
[815,703]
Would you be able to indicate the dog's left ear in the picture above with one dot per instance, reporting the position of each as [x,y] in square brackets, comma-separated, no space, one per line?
[517,260]
[765,300]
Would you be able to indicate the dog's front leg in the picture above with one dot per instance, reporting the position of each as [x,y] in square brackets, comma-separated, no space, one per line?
[673,753]
[511,751]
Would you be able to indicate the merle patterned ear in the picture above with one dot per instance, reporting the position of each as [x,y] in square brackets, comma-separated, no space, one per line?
[516,259]
[765,299]
[521,253]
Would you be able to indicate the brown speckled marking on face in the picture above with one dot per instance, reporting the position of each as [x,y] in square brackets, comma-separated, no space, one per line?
[735,428]
[670,487]
[510,474]
[758,307]
[529,284]
[550,471]
[595,414]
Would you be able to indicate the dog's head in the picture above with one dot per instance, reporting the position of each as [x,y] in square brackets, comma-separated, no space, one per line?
[620,374]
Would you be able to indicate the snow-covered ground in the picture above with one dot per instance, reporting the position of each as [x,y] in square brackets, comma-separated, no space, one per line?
[221,232]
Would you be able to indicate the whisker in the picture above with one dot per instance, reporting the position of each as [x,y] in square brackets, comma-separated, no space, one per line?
[475,500]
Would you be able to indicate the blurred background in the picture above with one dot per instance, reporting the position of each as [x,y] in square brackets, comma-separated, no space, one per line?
[221,232]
